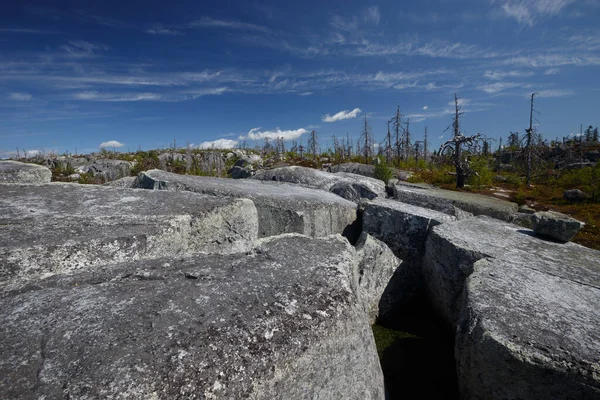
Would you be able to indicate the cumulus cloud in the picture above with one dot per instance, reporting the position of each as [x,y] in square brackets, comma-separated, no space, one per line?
[219,144]
[342,115]
[111,144]
[257,134]
[20,96]
[425,107]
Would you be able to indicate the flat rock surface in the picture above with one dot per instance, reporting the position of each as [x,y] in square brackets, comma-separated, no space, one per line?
[282,208]
[447,201]
[526,310]
[18,172]
[279,322]
[54,227]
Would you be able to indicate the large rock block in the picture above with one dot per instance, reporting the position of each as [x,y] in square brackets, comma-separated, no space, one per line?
[280,322]
[66,227]
[18,172]
[349,186]
[376,266]
[455,203]
[106,169]
[526,310]
[282,208]
[555,225]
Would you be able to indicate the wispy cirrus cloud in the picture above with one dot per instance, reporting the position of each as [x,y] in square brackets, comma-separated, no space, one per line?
[498,87]
[208,22]
[116,97]
[342,115]
[527,12]
[550,60]
[162,30]
[499,75]
[20,96]
[82,49]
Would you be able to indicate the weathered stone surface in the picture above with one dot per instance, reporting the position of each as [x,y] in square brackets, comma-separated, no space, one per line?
[575,195]
[106,169]
[403,227]
[555,225]
[349,186]
[238,172]
[123,183]
[279,322]
[447,201]
[66,227]
[282,208]
[527,313]
[18,172]
[526,334]
[377,264]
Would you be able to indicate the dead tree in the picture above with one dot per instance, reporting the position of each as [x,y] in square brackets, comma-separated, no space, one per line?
[425,145]
[397,124]
[456,144]
[388,145]
[406,141]
[367,140]
[528,143]
[312,143]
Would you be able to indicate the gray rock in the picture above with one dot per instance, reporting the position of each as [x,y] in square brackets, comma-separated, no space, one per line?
[349,186]
[448,201]
[238,172]
[527,313]
[123,183]
[18,172]
[66,227]
[526,210]
[250,159]
[281,322]
[211,162]
[377,264]
[107,169]
[368,170]
[282,208]
[555,225]
[75,177]
[575,195]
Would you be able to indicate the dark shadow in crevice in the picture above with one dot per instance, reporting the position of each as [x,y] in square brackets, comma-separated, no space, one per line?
[531,233]
[419,364]
[352,232]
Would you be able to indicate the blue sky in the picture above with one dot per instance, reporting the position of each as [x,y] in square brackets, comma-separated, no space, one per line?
[77,74]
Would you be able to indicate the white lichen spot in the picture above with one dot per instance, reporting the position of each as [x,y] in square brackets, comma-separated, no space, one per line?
[306,316]
[322,313]
[269,333]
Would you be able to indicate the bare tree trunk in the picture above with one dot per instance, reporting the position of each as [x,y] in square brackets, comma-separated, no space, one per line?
[528,143]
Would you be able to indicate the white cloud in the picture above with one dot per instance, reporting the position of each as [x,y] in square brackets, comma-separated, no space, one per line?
[552,71]
[342,115]
[207,22]
[111,144]
[554,93]
[219,144]
[20,96]
[162,30]
[425,108]
[97,96]
[82,49]
[372,15]
[498,87]
[498,75]
[526,12]
[441,137]
[305,93]
[257,134]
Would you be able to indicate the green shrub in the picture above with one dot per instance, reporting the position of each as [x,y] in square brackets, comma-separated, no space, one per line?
[382,171]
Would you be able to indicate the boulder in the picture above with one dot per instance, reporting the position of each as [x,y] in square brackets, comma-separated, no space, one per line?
[377,264]
[575,195]
[18,172]
[282,208]
[349,186]
[555,225]
[67,227]
[123,183]
[106,169]
[525,310]
[238,172]
[211,162]
[455,203]
[279,322]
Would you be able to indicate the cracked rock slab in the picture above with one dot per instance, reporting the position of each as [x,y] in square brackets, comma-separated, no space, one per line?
[525,310]
[282,208]
[66,227]
[18,172]
[279,322]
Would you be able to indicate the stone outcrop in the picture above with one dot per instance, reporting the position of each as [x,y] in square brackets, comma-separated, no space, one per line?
[123,183]
[282,208]
[575,195]
[66,227]
[376,266]
[525,309]
[459,204]
[106,169]
[279,322]
[555,225]
[349,186]
[18,172]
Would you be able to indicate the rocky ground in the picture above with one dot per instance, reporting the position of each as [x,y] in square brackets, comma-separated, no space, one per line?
[179,286]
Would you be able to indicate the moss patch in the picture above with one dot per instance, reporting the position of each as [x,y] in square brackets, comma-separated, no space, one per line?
[385,337]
